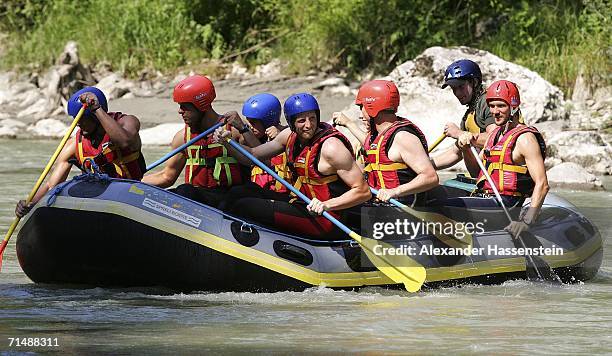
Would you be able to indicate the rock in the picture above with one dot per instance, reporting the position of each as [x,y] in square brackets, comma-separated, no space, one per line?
[10,128]
[572,176]
[40,109]
[115,86]
[268,70]
[585,148]
[48,128]
[237,71]
[330,82]
[160,135]
[430,107]
[343,90]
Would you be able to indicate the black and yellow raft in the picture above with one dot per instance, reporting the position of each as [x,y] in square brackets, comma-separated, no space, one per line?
[96,231]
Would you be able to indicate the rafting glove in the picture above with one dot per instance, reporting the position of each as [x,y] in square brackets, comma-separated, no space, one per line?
[22,209]
[91,100]
[516,228]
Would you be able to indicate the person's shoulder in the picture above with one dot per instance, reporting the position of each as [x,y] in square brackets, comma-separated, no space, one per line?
[126,118]
[405,138]
[527,139]
[332,145]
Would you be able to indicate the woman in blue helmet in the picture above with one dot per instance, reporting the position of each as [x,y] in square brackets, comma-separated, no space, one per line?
[323,168]
[110,139]
[465,78]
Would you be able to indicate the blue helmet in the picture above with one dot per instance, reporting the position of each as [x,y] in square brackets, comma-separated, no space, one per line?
[74,104]
[299,103]
[263,107]
[461,70]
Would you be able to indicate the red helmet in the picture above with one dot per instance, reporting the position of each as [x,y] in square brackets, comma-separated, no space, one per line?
[378,95]
[197,90]
[506,91]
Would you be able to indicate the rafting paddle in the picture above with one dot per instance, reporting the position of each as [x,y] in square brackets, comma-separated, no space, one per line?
[185,145]
[42,177]
[436,143]
[542,270]
[399,268]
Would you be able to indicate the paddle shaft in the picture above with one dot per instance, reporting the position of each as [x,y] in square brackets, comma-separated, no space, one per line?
[271,172]
[407,271]
[42,177]
[501,202]
[183,146]
[438,141]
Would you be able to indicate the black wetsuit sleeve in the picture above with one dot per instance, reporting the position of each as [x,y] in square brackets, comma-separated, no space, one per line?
[483,115]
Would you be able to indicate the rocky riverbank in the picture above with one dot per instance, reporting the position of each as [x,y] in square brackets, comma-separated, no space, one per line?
[32,105]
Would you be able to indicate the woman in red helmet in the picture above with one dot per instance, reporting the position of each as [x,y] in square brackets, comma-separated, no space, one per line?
[514,157]
[396,160]
[209,169]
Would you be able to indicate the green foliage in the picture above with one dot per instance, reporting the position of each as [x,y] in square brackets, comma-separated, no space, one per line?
[557,38]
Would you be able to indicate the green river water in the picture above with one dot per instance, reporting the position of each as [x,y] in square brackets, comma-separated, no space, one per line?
[517,317]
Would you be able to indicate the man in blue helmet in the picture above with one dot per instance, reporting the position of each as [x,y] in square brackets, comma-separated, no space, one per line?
[109,139]
[262,111]
[323,168]
[465,79]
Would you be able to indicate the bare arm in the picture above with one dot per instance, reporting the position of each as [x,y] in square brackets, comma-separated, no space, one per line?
[481,138]
[60,172]
[173,167]
[124,132]
[407,148]
[447,159]
[342,120]
[527,146]
[470,162]
[335,157]
[263,152]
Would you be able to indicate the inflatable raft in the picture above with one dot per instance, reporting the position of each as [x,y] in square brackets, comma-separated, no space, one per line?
[97,231]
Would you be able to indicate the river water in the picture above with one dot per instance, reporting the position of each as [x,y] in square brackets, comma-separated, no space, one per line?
[515,317]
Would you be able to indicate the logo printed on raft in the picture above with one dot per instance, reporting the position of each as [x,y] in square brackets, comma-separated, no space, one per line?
[171,212]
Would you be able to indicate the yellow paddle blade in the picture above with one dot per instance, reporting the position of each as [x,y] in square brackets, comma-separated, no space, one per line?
[399,268]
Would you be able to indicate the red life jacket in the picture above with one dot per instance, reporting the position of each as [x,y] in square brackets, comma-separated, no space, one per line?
[208,164]
[382,172]
[266,181]
[510,179]
[117,163]
[305,160]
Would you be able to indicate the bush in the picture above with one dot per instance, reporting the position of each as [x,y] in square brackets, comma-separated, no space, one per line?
[557,38]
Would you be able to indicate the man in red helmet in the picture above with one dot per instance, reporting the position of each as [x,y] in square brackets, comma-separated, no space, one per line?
[396,160]
[209,170]
[514,157]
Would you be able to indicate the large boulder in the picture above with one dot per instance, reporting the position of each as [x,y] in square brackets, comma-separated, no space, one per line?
[573,176]
[49,128]
[115,86]
[11,128]
[430,107]
[586,148]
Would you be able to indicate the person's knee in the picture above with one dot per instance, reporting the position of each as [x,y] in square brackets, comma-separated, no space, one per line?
[187,191]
